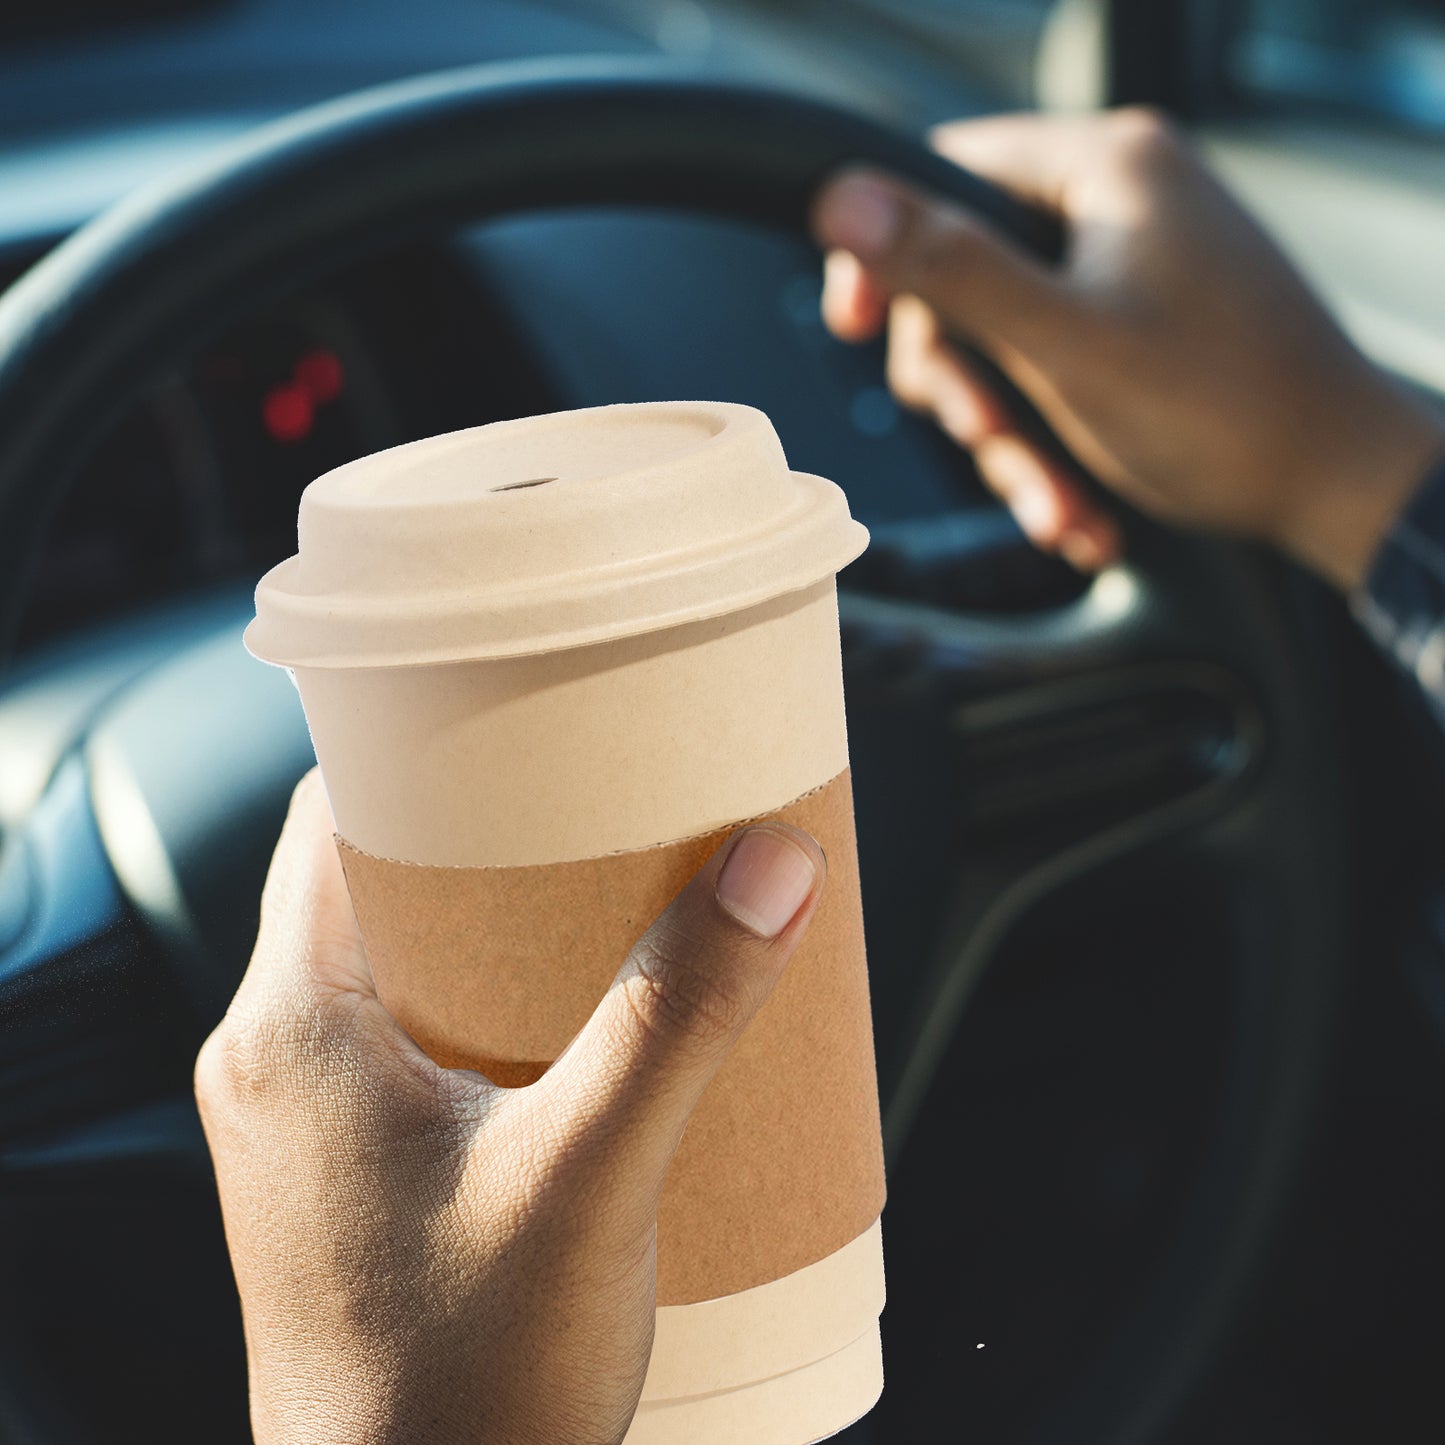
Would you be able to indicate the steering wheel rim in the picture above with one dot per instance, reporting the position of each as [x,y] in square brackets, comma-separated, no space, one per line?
[86,330]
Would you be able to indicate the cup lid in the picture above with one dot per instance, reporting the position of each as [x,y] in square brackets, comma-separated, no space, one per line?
[548,532]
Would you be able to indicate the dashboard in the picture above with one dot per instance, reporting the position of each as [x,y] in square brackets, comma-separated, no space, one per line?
[198,486]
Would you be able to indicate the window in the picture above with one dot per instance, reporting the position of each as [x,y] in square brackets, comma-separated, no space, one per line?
[1381,58]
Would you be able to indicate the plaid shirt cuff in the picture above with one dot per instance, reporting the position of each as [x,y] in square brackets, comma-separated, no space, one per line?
[1402,604]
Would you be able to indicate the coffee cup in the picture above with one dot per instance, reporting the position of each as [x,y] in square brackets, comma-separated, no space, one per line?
[548,665]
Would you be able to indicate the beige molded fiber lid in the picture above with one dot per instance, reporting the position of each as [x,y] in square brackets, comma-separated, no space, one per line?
[548,532]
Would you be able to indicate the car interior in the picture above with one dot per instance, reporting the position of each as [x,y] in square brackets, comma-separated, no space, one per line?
[1148,858]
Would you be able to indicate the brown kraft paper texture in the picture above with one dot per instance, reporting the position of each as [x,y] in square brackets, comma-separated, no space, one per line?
[497,968]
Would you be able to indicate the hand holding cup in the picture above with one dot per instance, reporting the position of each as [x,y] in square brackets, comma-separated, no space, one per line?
[422,1255]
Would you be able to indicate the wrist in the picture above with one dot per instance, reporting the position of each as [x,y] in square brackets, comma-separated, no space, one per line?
[299,1419]
[343,1401]
[383,1404]
[1374,455]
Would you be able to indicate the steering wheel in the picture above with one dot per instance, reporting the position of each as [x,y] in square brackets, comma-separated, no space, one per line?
[1178,705]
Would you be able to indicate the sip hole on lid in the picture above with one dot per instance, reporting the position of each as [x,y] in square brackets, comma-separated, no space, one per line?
[517,486]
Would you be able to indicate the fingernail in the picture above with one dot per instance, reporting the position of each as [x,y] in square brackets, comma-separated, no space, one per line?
[1081,550]
[1034,510]
[861,215]
[765,881]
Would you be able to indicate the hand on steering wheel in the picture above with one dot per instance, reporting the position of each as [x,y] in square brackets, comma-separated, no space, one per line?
[1175,350]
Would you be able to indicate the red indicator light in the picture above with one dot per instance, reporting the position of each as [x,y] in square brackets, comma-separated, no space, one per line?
[287,413]
[320,373]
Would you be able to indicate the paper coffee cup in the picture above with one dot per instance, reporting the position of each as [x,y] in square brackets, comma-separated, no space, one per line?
[548,665]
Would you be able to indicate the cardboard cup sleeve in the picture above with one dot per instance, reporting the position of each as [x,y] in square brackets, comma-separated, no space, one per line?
[782,1163]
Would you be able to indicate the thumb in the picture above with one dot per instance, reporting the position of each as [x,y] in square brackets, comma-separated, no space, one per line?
[687,991]
[914,244]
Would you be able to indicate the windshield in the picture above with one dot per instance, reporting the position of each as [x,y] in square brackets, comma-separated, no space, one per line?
[1382,57]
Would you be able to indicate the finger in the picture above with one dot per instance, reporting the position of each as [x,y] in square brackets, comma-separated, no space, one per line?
[854,306]
[977,282]
[1048,502]
[928,373]
[308,952]
[306,1021]
[308,938]
[685,994]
